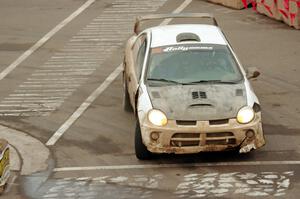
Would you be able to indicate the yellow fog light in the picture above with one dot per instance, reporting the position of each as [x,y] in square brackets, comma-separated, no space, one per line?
[245,115]
[154,136]
[157,117]
[250,134]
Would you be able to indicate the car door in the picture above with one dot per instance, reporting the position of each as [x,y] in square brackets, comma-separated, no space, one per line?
[135,62]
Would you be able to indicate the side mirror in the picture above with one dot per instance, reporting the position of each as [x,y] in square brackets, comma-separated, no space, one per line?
[252,72]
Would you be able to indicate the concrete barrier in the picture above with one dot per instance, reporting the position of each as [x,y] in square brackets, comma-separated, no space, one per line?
[269,8]
[236,4]
[287,11]
[290,12]
[295,13]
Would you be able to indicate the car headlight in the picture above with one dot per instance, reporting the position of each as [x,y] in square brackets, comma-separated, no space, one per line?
[245,115]
[157,117]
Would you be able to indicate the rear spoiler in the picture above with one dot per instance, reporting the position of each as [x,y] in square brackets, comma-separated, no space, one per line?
[171,16]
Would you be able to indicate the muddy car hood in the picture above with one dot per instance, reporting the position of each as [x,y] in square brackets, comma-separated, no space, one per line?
[199,102]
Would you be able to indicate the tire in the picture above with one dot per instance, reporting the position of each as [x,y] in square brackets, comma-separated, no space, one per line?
[141,151]
[126,99]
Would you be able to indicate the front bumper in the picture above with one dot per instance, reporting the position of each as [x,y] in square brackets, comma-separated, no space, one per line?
[201,136]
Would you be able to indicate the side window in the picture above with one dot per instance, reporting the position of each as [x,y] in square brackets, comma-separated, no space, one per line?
[140,58]
[139,50]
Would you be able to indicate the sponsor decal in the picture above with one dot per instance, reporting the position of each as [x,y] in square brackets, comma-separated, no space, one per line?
[186,48]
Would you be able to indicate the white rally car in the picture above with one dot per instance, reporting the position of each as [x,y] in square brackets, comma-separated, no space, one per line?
[188,90]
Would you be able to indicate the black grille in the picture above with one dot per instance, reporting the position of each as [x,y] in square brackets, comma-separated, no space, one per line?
[185,139]
[221,142]
[218,122]
[184,143]
[186,122]
[186,135]
[220,138]
[195,139]
[219,134]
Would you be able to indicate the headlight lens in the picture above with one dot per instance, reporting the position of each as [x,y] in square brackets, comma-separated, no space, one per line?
[245,115]
[157,117]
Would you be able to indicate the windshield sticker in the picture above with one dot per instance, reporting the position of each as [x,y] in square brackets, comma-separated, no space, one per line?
[156,50]
[187,48]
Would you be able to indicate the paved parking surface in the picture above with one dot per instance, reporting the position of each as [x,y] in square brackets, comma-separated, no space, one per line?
[94,156]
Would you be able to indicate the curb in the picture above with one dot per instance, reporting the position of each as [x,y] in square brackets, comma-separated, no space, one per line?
[29,155]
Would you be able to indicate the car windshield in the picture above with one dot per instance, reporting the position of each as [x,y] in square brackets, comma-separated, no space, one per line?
[192,64]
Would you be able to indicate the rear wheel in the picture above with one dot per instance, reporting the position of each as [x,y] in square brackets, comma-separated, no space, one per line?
[141,150]
[126,99]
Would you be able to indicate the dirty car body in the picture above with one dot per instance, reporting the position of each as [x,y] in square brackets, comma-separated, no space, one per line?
[189,92]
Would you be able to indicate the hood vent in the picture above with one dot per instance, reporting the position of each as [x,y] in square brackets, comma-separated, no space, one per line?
[200,94]
[200,105]
[195,95]
[185,37]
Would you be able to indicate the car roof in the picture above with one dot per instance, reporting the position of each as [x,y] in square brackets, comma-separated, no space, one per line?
[166,35]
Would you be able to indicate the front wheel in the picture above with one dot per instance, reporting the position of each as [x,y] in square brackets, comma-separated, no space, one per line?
[141,151]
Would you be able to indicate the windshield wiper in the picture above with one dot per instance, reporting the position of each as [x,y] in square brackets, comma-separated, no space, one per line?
[164,80]
[209,81]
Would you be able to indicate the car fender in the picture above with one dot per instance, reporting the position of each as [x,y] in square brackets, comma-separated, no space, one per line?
[143,103]
[251,97]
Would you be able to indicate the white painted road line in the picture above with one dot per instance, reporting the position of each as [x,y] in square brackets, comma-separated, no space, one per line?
[67,93]
[64,90]
[178,10]
[55,137]
[185,165]
[84,106]
[74,61]
[44,39]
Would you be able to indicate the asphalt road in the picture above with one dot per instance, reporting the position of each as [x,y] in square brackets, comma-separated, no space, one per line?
[94,157]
